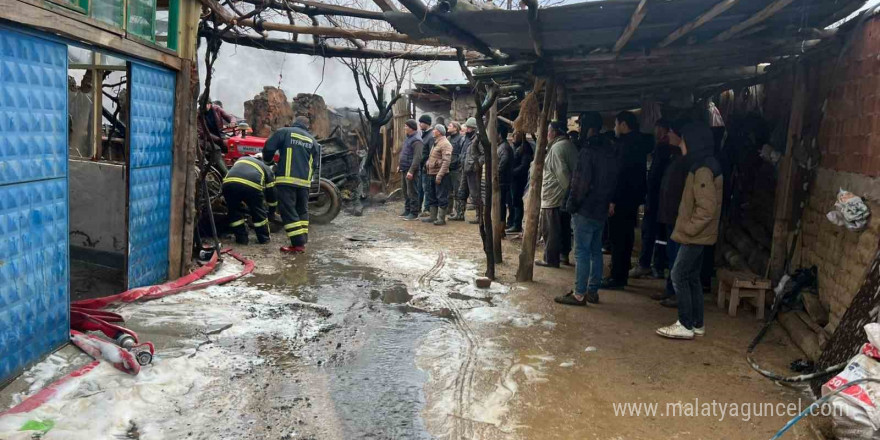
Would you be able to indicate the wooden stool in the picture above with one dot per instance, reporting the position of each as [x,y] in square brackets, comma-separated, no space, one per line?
[742,285]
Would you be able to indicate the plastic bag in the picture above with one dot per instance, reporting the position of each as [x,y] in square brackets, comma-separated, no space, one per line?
[849,211]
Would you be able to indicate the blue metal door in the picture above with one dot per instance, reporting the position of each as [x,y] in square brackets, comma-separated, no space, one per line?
[34,273]
[149,197]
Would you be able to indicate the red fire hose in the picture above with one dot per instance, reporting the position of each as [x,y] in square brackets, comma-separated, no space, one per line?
[129,355]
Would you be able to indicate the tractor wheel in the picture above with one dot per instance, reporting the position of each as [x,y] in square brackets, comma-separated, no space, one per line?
[324,207]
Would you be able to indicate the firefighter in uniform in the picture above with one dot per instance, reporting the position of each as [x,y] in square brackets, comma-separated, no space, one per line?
[252,183]
[299,156]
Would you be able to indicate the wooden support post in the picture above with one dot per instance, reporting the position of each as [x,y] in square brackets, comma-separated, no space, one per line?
[179,253]
[497,224]
[525,271]
[786,177]
[561,101]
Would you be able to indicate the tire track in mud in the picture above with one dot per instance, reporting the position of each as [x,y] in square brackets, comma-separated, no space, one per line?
[462,426]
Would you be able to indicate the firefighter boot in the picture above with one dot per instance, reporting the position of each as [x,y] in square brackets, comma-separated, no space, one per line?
[441,218]
[433,216]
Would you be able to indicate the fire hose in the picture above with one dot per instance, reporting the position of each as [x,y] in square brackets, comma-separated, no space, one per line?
[126,353]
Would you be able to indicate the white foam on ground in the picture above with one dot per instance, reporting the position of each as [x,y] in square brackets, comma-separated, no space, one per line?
[176,394]
[106,402]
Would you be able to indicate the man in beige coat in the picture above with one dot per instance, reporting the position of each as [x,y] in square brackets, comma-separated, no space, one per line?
[696,228]
[437,166]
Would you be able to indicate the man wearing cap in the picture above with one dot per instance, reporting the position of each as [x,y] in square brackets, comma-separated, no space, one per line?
[437,167]
[473,169]
[453,134]
[427,143]
[562,157]
[299,156]
[410,158]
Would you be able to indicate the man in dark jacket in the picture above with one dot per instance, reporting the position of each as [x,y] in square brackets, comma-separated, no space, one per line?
[250,183]
[523,153]
[633,147]
[472,169]
[505,172]
[453,134]
[425,124]
[652,258]
[215,119]
[300,155]
[593,184]
[410,158]
[671,187]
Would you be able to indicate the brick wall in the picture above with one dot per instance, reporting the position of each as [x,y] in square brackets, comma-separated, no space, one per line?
[842,256]
[850,134]
[849,140]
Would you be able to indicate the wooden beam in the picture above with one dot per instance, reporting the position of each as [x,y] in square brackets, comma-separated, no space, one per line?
[183,147]
[497,229]
[327,51]
[844,12]
[386,6]
[330,32]
[316,8]
[66,23]
[689,76]
[535,27]
[440,23]
[786,176]
[634,21]
[762,15]
[704,18]
[525,270]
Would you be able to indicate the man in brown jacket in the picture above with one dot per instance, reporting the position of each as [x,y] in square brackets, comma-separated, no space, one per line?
[696,228]
[437,166]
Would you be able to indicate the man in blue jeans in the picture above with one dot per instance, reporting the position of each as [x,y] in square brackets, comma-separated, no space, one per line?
[593,184]
[696,228]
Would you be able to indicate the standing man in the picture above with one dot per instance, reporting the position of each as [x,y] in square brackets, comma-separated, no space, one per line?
[252,183]
[410,158]
[671,188]
[562,156]
[437,167]
[462,195]
[633,148]
[453,134]
[473,170]
[592,185]
[652,257]
[696,228]
[427,144]
[523,153]
[505,173]
[300,155]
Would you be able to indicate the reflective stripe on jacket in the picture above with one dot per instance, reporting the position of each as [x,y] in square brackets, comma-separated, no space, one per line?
[254,173]
[299,155]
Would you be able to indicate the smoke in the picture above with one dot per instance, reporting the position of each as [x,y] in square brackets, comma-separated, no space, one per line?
[240,73]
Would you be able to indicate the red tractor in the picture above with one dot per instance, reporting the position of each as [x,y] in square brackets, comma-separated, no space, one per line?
[325,201]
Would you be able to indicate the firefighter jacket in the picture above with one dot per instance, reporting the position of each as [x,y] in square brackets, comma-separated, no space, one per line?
[299,153]
[252,172]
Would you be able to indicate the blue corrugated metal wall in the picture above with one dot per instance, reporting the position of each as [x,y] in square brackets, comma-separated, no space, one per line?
[34,273]
[149,210]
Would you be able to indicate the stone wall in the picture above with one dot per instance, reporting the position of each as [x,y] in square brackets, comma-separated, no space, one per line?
[314,108]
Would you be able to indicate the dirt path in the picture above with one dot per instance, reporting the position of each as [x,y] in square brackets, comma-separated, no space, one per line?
[379,333]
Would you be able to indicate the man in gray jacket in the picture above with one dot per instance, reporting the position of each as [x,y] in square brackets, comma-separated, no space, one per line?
[559,165]
[473,169]
[410,159]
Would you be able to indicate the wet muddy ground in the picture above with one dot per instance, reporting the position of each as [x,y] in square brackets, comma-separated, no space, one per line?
[378,332]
